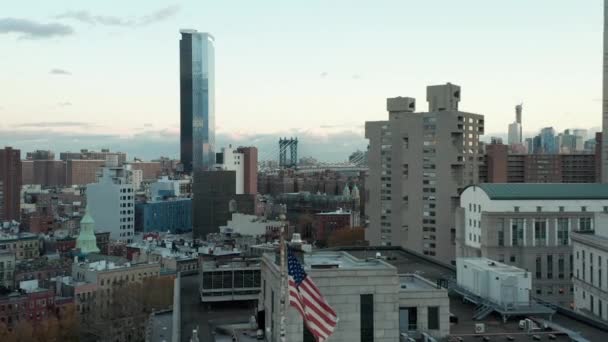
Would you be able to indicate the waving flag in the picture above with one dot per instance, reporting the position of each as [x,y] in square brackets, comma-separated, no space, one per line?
[304,295]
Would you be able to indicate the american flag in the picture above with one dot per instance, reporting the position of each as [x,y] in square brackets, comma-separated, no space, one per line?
[304,295]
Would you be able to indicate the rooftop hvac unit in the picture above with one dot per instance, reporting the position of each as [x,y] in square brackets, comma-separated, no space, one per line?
[480,328]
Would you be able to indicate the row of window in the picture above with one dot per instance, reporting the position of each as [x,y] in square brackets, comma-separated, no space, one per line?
[560,208]
[595,306]
[540,231]
[590,270]
[549,267]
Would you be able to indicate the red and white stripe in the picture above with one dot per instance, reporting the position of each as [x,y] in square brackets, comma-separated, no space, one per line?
[319,317]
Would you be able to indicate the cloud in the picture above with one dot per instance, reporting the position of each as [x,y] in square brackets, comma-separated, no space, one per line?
[59,72]
[94,19]
[56,124]
[64,104]
[151,144]
[356,77]
[324,74]
[29,29]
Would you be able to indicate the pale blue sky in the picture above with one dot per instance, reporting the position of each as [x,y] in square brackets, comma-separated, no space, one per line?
[323,66]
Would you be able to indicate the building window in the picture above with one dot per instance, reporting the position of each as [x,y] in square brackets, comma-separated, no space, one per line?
[561,266]
[539,273]
[517,232]
[563,237]
[583,209]
[540,232]
[599,271]
[433,317]
[367,317]
[561,209]
[512,258]
[549,266]
[501,232]
[408,319]
[539,209]
[584,223]
[516,209]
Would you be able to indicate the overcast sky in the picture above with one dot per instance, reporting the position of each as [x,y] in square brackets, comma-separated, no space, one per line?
[74,72]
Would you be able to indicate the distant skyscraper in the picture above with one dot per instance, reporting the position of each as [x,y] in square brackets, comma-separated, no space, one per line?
[547,140]
[515,130]
[604,151]
[197,100]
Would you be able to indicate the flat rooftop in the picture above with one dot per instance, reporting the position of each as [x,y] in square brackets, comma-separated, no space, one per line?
[495,266]
[409,263]
[343,260]
[414,282]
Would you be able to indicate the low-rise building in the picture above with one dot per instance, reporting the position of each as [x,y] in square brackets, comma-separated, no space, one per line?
[41,269]
[529,226]
[252,225]
[23,245]
[179,259]
[372,301]
[590,250]
[326,223]
[174,215]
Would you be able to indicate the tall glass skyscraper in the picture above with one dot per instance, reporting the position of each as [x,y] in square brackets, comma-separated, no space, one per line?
[197,100]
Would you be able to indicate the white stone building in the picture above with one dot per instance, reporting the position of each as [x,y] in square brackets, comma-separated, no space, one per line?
[231,160]
[529,226]
[370,298]
[590,250]
[111,201]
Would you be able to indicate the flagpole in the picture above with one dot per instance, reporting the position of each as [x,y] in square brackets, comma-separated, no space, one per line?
[283,305]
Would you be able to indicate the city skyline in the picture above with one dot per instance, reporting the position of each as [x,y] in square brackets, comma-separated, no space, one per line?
[322,80]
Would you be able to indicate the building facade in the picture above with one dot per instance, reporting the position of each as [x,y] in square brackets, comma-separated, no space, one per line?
[7,269]
[529,226]
[590,251]
[82,171]
[104,154]
[174,215]
[197,100]
[418,163]
[23,245]
[231,160]
[10,177]
[250,172]
[111,201]
[213,200]
[151,170]
[502,166]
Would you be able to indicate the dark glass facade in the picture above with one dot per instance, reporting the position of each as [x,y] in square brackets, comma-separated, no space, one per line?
[197,100]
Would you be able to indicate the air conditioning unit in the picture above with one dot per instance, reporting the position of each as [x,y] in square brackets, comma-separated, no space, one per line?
[480,328]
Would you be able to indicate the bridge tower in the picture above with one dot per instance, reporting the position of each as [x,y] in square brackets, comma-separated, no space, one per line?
[290,144]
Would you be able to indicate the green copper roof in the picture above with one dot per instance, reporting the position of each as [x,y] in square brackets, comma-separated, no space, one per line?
[545,191]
